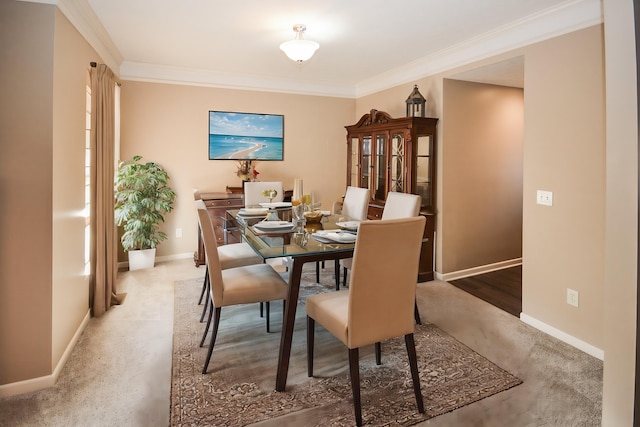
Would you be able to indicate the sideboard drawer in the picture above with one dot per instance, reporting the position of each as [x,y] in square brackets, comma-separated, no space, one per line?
[224,203]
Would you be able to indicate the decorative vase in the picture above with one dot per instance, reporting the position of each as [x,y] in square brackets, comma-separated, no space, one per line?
[140,259]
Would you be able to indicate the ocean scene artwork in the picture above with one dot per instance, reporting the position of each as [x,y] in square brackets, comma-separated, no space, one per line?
[245,136]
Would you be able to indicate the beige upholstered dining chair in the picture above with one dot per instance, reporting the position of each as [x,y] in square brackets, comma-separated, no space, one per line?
[253,192]
[355,204]
[353,208]
[230,255]
[233,286]
[379,302]
[398,205]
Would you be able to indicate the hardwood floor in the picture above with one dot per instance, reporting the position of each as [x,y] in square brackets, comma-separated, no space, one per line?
[502,288]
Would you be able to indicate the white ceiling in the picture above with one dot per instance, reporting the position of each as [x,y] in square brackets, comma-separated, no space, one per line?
[365,46]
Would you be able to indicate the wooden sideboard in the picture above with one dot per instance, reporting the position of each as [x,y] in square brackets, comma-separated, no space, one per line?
[217,206]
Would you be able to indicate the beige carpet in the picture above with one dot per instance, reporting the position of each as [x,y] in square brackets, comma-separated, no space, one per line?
[238,390]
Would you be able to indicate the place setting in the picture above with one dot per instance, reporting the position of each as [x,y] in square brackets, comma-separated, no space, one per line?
[253,212]
[335,236]
[273,227]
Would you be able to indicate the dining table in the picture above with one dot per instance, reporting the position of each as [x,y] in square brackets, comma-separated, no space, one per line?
[330,239]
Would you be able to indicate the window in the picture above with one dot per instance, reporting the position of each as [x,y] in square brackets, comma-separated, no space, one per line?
[87,181]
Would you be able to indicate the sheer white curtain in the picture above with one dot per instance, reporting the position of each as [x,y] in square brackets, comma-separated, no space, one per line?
[104,237]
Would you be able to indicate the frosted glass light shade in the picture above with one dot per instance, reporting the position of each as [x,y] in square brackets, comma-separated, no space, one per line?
[299,50]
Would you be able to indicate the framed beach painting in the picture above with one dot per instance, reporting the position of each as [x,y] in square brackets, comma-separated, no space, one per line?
[245,136]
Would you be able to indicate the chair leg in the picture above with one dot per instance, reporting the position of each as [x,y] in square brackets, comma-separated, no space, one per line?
[206,328]
[261,310]
[416,314]
[317,271]
[345,270]
[378,353]
[204,285]
[214,334]
[310,341]
[267,308]
[413,363]
[354,369]
[206,301]
[337,268]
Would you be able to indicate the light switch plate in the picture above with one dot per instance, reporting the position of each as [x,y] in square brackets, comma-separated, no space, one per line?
[544,198]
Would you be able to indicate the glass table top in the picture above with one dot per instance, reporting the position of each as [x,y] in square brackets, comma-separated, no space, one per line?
[282,240]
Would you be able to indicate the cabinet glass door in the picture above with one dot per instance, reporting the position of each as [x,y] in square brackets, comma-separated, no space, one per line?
[397,163]
[365,165]
[379,191]
[355,159]
[424,176]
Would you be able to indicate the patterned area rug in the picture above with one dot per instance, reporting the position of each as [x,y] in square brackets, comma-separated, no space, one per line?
[239,387]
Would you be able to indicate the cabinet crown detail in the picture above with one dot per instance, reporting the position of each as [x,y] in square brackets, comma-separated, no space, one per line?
[374,117]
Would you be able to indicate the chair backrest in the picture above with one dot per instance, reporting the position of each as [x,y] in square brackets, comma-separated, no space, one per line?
[211,253]
[401,205]
[384,275]
[253,192]
[356,203]
[200,204]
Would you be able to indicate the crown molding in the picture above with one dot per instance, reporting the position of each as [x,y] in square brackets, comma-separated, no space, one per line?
[138,71]
[81,16]
[567,17]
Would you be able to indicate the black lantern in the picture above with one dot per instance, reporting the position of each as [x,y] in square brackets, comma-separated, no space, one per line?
[416,103]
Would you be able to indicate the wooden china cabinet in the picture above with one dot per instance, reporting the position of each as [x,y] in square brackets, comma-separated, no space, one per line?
[386,154]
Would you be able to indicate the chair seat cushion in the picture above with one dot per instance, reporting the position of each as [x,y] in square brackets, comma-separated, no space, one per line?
[237,255]
[331,310]
[252,283]
[346,263]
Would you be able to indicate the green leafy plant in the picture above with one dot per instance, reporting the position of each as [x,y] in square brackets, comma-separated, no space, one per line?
[142,197]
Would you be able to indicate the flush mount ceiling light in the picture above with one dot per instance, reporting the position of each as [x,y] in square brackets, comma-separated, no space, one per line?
[299,50]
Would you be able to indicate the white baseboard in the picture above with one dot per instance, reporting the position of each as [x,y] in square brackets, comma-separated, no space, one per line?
[563,336]
[125,264]
[47,381]
[478,270]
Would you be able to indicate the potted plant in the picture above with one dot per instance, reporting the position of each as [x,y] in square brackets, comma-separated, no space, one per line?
[142,197]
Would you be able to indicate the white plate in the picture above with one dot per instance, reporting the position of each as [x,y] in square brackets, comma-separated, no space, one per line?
[349,225]
[253,211]
[336,236]
[273,225]
[276,205]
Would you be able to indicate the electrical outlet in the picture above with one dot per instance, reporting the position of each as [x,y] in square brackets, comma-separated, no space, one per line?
[544,198]
[573,298]
[178,232]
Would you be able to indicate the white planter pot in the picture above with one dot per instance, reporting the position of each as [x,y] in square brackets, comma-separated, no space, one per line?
[140,259]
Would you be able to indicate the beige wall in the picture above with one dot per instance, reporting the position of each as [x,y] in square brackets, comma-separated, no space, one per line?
[26,126]
[564,152]
[168,124]
[621,246]
[70,288]
[481,175]
[43,290]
